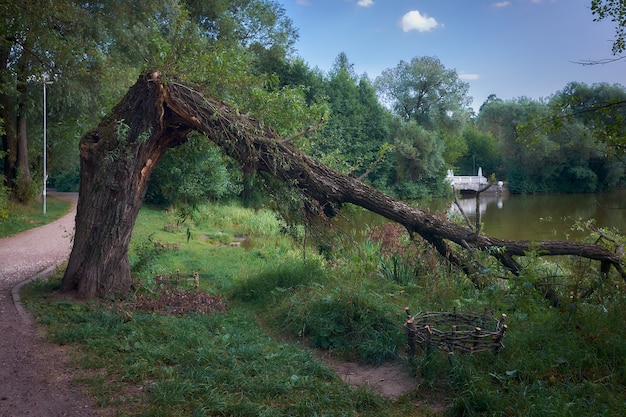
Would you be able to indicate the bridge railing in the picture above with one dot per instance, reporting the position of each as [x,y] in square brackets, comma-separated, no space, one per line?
[471,179]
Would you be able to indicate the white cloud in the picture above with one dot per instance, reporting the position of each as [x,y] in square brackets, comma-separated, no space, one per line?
[501,4]
[469,77]
[365,3]
[414,20]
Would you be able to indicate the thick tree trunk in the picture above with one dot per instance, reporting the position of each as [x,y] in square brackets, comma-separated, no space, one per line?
[22,147]
[9,140]
[116,160]
[24,186]
[115,169]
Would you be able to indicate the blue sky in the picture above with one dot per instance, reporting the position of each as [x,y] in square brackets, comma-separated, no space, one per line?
[508,48]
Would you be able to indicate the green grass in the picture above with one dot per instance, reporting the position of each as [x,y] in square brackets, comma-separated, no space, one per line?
[24,217]
[256,359]
[218,364]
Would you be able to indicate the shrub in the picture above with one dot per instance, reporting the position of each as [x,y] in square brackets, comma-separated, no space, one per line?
[351,323]
[26,189]
[4,200]
[402,259]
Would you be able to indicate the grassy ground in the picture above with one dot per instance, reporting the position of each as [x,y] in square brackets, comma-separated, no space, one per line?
[255,359]
[23,217]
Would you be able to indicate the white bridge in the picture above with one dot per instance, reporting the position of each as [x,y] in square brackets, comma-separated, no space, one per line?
[465,183]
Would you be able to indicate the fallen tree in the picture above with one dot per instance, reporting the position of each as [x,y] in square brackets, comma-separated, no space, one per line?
[118,157]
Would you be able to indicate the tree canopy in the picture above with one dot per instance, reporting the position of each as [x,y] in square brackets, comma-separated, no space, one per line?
[614,10]
[568,143]
[88,50]
[243,51]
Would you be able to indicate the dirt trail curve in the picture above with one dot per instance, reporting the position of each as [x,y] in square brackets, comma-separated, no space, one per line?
[34,376]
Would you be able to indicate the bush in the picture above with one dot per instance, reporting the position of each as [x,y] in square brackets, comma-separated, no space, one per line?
[4,200]
[26,189]
[351,323]
[66,181]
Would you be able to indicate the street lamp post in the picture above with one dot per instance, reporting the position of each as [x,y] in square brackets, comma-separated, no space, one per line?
[45,144]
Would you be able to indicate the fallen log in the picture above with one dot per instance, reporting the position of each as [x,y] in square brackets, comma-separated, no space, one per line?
[158,113]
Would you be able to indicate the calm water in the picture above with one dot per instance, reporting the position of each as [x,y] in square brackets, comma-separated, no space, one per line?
[539,217]
[548,216]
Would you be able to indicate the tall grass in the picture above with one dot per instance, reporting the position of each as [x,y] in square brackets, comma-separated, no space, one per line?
[567,361]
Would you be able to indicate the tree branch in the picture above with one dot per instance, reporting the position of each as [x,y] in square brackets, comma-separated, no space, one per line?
[308,130]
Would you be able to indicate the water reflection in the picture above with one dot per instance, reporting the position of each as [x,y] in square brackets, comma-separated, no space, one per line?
[515,217]
[546,216]
[468,204]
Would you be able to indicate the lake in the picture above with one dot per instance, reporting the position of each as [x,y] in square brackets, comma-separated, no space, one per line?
[531,217]
[546,216]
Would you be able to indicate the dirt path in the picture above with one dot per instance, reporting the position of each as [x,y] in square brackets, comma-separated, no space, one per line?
[35,376]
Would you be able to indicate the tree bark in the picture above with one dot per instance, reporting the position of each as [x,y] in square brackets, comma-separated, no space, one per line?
[9,140]
[115,170]
[116,160]
[23,189]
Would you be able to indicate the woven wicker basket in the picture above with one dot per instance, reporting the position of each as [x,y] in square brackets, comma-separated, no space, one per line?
[455,332]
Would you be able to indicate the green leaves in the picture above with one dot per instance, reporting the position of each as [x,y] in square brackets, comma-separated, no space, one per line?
[570,143]
[425,91]
[615,11]
[191,174]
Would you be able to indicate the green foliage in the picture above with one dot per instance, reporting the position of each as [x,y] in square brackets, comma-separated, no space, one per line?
[419,163]
[398,254]
[4,200]
[244,23]
[544,151]
[350,322]
[26,189]
[431,104]
[616,12]
[98,54]
[143,256]
[393,269]
[67,180]
[297,73]
[356,127]
[600,109]
[87,59]
[424,91]
[192,173]
[284,108]
[482,151]
[278,281]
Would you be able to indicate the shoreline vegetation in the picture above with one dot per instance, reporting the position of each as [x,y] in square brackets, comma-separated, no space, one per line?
[339,298]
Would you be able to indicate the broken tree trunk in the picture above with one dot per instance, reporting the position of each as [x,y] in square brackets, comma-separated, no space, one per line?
[116,160]
[118,157]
